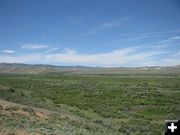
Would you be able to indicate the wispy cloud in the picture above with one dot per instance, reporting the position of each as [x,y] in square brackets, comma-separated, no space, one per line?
[106,25]
[69,51]
[172,60]
[101,27]
[44,36]
[139,36]
[176,54]
[152,34]
[170,39]
[176,37]
[51,50]
[163,32]
[34,46]
[130,56]
[157,46]
[8,51]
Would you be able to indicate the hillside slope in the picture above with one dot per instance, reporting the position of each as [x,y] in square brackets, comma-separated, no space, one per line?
[60,119]
[16,68]
[17,119]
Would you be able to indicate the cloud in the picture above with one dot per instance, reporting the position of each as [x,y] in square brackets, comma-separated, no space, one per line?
[108,25]
[27,58]
[176,54]
[130,56]
[51,50]
[152,34]
[69,51]
[163,32]
[170,39]
[140,36]
[172,60]
[8,51]
[157,46]
[75,20]
[34,46]
[176,37]
[104,26]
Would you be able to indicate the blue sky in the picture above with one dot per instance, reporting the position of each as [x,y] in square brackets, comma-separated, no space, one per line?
[107,33]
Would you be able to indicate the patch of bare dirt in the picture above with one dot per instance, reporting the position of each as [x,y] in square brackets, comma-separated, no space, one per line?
[41,115]
[7,108]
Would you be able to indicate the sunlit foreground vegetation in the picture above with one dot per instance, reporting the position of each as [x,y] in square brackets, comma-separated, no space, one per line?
[88,104]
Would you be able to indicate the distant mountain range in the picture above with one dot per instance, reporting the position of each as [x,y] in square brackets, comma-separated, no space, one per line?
[19,68]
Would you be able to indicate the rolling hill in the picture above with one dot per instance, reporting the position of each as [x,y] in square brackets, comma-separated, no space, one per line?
[18,68]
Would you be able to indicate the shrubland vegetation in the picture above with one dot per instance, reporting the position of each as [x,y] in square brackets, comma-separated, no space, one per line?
[90,104]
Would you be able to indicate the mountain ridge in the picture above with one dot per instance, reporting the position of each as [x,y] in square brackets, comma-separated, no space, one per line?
[21,68]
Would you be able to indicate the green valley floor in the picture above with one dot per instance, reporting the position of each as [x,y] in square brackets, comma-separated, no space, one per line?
[87,104]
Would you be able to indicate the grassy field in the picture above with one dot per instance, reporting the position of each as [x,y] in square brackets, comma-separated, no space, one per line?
[88,104]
